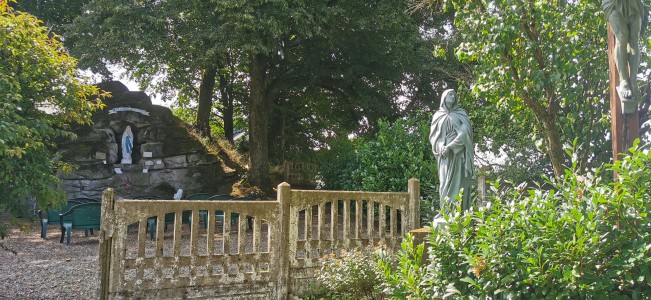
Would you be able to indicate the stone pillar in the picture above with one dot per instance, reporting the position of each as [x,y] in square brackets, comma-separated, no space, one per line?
[420,237]
[285,198]
[413,189]
[106,243]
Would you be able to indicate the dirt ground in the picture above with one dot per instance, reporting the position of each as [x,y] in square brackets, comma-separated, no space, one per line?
[47,269]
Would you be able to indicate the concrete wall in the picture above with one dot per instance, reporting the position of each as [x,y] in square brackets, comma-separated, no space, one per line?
[271,251]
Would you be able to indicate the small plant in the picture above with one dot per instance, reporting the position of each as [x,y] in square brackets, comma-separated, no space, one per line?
[351,275]
[317,291]
[403,276]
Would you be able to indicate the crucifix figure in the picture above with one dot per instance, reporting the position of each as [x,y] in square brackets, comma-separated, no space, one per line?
[628,19]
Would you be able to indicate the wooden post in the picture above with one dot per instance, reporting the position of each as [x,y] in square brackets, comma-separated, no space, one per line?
[624,128]
[285,198]
[106,242]
[413,188]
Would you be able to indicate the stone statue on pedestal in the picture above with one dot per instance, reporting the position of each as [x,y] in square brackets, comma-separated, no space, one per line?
[127,146]
[628,19]
[451,139]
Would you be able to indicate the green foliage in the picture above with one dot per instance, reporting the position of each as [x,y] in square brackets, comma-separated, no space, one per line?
[351,275]
[55,14]
[497,134]
[36,74]
[398,152]
[337,163]
[580,239]
[316,291]
[543,64]
[403,276]
[384,162]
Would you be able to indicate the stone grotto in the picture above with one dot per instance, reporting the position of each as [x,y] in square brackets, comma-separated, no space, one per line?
[140,149]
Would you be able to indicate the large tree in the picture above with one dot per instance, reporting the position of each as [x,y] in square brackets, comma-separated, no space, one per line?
[174,47]
[355,72]
[342,60]
[41,95]
[350,55]
[545,62]
[55,14]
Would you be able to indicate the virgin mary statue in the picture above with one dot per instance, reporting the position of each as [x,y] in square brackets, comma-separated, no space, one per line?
[451,139]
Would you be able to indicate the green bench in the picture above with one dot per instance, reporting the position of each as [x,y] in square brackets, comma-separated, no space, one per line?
[85,216]
[169,218]
[219,215]
[50,216]
[185,219]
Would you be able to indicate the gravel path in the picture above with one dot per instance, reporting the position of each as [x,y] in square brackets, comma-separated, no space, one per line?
[46,269]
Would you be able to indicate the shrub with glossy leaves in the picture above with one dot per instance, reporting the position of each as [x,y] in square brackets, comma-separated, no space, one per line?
[403,274]
[399,151]
[580,239]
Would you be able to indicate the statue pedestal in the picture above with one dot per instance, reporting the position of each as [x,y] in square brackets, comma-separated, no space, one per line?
[420,237]
[629,105]
[439,223]
[421,234]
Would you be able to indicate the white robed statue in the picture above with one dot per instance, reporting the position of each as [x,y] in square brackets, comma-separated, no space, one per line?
[127,146]
[451,139]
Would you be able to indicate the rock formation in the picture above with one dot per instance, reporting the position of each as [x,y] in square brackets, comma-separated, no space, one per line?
[165,157]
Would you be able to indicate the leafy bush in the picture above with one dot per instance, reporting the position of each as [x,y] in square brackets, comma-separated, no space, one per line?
[352,275]
[35,73]
[399,151]
[581,239]
[338,163]
[407,280]
[385,162]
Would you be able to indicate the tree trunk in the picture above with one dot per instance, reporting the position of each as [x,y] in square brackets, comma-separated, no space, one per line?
[227,103]
[276,131]
[205,101]
[555,147]
[258,123]
[547,119]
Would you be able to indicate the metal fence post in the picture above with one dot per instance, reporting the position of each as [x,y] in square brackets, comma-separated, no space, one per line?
[106,242]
